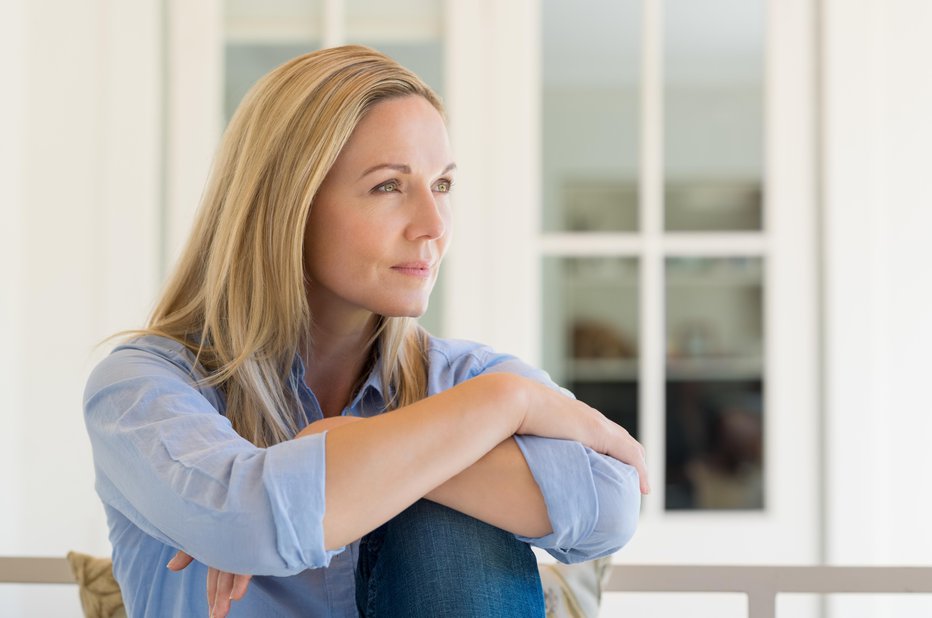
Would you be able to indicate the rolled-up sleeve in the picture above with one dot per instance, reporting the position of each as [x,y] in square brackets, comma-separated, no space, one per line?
[593,501]
[170,462]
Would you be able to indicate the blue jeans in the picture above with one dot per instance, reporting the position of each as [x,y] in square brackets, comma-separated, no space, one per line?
[431,561]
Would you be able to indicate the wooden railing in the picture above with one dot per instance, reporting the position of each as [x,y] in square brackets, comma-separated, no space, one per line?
[761,584]
[21,570]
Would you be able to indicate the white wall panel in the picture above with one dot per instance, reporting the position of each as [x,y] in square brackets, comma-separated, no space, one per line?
[878,211]
[80,240]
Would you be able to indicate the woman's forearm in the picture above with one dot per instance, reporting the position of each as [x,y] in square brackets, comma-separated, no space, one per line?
[377,468]
[499,490]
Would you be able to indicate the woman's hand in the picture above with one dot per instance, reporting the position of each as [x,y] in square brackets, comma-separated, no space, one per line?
[551,414]
[223,587]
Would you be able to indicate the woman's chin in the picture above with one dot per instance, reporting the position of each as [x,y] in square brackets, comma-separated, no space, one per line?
[405,310]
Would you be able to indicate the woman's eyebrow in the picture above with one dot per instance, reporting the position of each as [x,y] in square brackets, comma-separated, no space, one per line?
[400,167]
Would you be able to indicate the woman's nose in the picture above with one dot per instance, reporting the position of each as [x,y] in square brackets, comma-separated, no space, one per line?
[427,221]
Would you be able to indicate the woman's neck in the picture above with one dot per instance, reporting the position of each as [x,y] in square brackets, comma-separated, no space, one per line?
[334,361]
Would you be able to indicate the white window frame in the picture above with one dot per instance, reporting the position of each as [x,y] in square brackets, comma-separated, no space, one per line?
[493,287]
[494,283]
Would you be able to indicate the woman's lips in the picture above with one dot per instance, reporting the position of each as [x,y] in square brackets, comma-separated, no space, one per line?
[413,269]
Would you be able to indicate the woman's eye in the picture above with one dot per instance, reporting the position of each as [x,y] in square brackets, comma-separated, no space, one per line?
[388,187]
[443,186]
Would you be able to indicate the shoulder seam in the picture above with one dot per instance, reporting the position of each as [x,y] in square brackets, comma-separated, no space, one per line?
[174,356]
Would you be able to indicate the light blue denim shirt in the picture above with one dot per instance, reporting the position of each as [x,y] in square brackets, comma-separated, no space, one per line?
[173,474]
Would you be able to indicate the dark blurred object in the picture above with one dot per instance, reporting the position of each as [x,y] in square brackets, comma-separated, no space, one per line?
[593,339]
[715,445]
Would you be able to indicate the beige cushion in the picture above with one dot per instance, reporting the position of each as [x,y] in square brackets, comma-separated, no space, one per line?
[574,590]
[570,590]
[100,594]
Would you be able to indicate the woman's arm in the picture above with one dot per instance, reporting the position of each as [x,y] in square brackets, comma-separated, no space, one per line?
[577,504]
[591,502]
[194,484]
[397,458]
[500,490]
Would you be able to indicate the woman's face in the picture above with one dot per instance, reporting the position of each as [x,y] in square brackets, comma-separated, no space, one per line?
[380,223]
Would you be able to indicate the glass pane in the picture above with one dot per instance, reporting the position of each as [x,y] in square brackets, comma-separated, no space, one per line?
[713,114]
[403,21]
[715,383]
[591,332]
[260,13]
[591,69]
[262,34]
[273,20]
[247,62]
[410,31]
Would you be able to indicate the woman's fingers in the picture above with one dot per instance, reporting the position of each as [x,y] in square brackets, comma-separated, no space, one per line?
[224,589]
[624,448]
[240,584]
[639,461]
[641,467]
[212,575]
[179,561]
[553,415]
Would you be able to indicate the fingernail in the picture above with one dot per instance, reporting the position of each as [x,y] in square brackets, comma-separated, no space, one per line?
[172,563]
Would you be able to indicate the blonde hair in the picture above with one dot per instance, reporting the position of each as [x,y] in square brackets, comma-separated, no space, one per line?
[237,298]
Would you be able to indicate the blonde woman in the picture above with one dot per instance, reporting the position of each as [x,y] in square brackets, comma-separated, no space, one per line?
[283,417]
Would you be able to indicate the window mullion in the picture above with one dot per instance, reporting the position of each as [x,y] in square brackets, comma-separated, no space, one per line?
[651,408]
[334,23]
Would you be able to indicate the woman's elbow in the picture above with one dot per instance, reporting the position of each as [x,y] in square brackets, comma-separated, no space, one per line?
[619,510]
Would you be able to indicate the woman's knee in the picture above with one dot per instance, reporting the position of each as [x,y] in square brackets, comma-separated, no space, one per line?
[443,562]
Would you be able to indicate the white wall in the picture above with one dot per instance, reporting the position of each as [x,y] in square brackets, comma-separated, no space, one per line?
[80,234]
[878,295]
[81,193]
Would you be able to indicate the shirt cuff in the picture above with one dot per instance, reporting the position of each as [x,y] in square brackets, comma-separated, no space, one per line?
[297,496]
[561,470]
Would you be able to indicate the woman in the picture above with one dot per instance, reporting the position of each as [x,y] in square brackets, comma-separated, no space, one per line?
[291,314]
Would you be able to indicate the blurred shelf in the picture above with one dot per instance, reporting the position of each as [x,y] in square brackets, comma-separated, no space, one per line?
[712,280]
[750,279]
[595,281]
[715,368]
[602,369]
[708,368]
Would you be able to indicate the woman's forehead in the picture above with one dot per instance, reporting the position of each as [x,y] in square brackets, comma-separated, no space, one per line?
[404,131]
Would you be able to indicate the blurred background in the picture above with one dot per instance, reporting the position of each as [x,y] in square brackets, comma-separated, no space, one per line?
[707,218]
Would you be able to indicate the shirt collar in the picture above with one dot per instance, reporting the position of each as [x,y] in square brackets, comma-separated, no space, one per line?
[373,381]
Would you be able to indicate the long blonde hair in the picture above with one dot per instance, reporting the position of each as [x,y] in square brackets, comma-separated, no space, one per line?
[237,297]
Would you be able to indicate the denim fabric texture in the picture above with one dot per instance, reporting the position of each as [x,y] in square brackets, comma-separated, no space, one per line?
[431,561]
